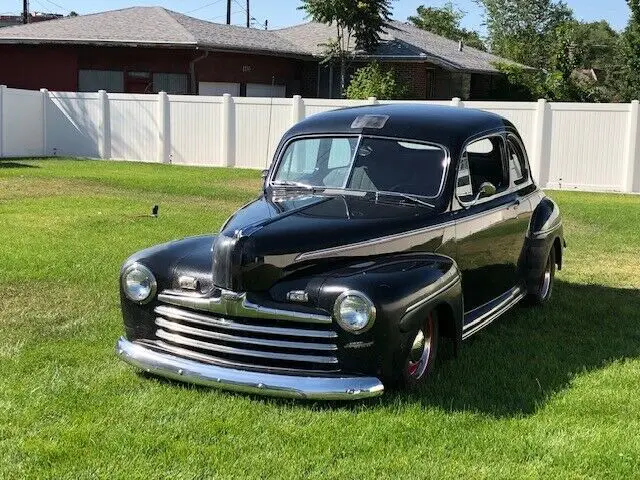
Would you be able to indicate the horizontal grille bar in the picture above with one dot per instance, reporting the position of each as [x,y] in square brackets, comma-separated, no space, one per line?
[237,305]
[190,342]
[203,357]
[228,324]
[180,328]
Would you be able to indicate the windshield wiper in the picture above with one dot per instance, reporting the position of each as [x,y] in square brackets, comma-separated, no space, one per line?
[290,183]
[405,196]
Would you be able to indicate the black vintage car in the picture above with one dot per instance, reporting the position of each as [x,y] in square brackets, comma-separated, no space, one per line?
[381,231]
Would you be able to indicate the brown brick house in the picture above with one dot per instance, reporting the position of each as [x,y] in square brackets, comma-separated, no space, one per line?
[149,49]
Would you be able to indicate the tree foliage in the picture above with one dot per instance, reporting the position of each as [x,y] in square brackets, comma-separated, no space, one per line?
[373,80]
[445,21]
[356,22]
[522,30]
[543,34]
[629,81]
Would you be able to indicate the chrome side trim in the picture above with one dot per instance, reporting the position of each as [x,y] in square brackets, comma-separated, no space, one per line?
[291,386]
[431,296]
[490,316]
[212,347]
[367,244]
[236,304]
[227,324]
[223,337]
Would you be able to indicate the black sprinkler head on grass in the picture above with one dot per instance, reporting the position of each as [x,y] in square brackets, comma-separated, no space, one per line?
[154,211]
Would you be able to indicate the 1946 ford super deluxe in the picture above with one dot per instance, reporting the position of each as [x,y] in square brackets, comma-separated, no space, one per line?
[380,232]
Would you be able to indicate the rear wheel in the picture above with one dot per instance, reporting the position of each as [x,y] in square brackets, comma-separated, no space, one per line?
[422,353]
[545,282]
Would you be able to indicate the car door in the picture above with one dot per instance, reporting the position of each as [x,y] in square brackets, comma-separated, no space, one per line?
[488,228]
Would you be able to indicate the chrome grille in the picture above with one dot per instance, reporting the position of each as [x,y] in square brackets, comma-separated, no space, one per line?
[187,327]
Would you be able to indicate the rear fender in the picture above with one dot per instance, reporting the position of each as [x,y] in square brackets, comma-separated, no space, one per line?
[545,232]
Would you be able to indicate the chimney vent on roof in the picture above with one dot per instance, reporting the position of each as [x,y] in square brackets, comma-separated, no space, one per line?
[460,46]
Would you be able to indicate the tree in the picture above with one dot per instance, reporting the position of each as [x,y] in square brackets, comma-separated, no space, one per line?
[522,30]
[374,81]
[445,21]
[358,22]
[630,72]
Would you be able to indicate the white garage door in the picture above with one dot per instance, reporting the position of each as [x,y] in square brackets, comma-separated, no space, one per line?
[216,89]
[265,90]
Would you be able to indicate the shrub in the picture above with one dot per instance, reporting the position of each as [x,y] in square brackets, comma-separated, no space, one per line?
[373,80]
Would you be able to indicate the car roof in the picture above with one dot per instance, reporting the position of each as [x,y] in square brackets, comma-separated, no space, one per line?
[448,126]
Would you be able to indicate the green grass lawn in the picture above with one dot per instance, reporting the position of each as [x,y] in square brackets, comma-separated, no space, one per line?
[550,393]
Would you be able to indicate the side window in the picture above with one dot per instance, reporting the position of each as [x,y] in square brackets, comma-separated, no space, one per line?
[517,162]
[482,161]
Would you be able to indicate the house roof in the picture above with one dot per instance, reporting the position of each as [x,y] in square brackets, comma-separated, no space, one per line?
[149,26]
[157,26]
[402,41]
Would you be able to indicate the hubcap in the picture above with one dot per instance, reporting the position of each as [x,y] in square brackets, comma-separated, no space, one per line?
[420,350]
[545,281]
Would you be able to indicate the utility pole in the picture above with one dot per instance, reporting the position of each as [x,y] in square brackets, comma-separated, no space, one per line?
[25,11]
[248,15]
[228,12]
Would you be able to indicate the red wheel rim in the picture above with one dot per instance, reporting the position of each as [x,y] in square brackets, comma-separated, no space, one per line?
[420,353]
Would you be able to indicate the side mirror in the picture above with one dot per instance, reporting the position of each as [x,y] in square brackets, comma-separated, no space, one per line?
[265,173]
[487,189]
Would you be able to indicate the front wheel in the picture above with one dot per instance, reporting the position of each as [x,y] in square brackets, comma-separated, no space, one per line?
[545,283]
[422,353]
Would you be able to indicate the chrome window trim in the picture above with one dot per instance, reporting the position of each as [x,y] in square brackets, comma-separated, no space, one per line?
[507,191]
[279,156]
[529,181]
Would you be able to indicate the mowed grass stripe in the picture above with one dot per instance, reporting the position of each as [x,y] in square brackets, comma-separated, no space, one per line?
[548,392]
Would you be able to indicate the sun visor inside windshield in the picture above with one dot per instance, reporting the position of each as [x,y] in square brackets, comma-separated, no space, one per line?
[370,121]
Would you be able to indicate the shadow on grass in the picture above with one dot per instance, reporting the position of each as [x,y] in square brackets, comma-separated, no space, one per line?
[5,164]
[515,365]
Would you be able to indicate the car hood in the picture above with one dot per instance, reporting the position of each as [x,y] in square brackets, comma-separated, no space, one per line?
[275,236]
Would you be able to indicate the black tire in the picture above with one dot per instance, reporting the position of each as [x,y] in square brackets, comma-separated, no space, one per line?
[545,283]
[419,361]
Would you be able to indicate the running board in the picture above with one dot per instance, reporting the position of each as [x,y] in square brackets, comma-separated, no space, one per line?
[480,317]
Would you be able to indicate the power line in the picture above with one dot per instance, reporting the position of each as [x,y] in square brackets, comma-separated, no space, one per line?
[203,6]
[57,5]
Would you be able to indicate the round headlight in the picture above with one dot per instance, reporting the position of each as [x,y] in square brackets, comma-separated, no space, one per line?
[138,283]
[354,311]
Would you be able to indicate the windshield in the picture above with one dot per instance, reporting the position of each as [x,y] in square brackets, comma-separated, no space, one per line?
[365,164]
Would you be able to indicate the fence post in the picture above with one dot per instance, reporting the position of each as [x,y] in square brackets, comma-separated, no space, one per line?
[227,132]
[3,88]
[542,143]
[104,139]
[45,107]
[297,110]
[632,157]
[164,131]
[456,102]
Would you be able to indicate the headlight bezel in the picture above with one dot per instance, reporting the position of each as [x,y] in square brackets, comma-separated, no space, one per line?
[153,284]
[369,306]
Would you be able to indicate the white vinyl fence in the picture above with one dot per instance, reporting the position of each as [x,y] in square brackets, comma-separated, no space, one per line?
[570,145]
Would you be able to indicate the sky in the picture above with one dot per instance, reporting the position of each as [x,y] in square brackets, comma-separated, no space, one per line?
[282,13]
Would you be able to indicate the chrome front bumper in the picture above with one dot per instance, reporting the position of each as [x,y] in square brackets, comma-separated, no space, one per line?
[290,386]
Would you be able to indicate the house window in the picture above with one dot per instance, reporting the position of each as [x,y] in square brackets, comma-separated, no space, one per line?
[174,83]
[94,80]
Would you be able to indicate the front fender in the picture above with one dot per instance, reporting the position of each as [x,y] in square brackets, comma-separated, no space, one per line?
[404,288]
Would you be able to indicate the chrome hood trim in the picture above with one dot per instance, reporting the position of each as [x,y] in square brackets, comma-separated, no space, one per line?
[289,386]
